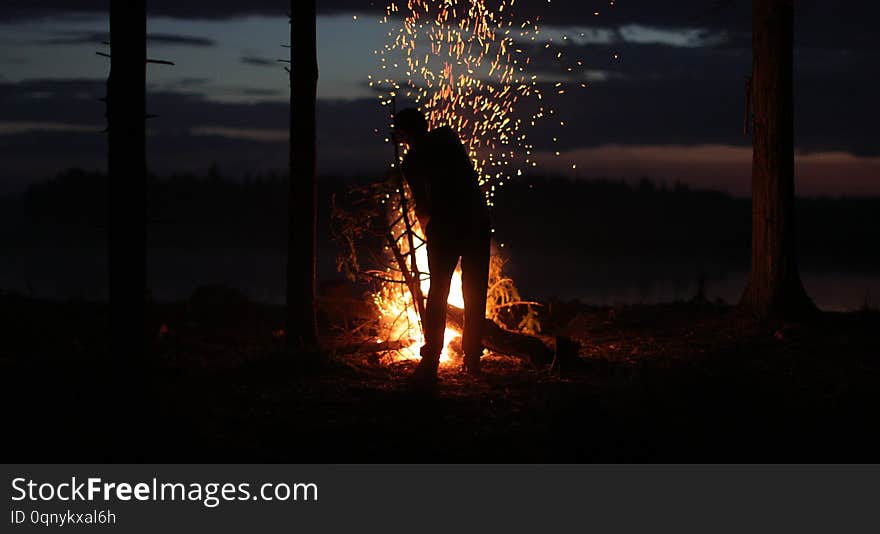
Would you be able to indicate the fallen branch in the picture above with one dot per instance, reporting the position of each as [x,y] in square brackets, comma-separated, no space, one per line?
[502,341]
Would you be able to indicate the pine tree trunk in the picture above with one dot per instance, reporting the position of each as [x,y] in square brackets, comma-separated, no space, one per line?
[127,224]
[302,332]
[129,437]
[774,289]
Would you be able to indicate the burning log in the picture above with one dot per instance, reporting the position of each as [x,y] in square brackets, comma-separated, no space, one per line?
[502,341]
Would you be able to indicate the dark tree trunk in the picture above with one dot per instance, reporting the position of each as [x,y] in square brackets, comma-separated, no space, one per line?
[302,332]
[774,289]
[127,224]
[127,235]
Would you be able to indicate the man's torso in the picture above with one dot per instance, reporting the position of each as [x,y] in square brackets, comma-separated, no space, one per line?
[443,180]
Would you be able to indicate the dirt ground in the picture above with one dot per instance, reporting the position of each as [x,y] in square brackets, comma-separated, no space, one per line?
[685,382]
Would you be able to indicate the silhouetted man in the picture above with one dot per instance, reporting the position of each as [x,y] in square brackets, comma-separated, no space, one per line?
[452,211]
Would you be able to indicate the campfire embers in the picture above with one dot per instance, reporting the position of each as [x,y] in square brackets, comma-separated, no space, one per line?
[469,65]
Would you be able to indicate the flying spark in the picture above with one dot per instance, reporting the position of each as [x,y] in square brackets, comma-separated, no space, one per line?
[467,65]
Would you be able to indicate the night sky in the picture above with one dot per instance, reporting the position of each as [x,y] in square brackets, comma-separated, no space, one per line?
[665,97]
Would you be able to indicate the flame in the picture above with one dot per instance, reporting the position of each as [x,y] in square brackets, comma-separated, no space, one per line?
[398,315]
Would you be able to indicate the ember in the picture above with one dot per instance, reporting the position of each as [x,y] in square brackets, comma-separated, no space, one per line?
[467,65]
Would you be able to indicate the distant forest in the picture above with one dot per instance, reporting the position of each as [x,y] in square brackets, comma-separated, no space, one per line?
[554,216]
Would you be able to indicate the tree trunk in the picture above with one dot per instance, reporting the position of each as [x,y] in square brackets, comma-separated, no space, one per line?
[128,379]
[127,217]
[774,289]
[302,332]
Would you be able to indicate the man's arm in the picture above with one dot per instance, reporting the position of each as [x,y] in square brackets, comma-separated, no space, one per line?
[418,185]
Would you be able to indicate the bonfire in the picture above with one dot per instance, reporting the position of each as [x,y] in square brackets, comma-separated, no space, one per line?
[383,245]
[468,65]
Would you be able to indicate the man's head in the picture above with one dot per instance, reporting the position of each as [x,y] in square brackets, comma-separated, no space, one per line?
[410,125]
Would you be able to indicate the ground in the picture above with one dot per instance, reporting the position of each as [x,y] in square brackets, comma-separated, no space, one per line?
[685,382]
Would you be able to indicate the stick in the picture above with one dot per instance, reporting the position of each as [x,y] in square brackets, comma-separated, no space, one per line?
[418,297]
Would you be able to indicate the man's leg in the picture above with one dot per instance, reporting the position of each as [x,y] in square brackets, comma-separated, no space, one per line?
[475,282]
[442,258]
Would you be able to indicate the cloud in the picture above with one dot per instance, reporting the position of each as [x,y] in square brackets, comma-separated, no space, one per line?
[20,127]
[184,40]
[836,25]
[71,101]
[679,37]
[189,9]
[257,91]
[264,135]
[192,82]
[565,36]
[260,61]
[566,10]
[51,125]
[96,38]
[719,167]
[74,37]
